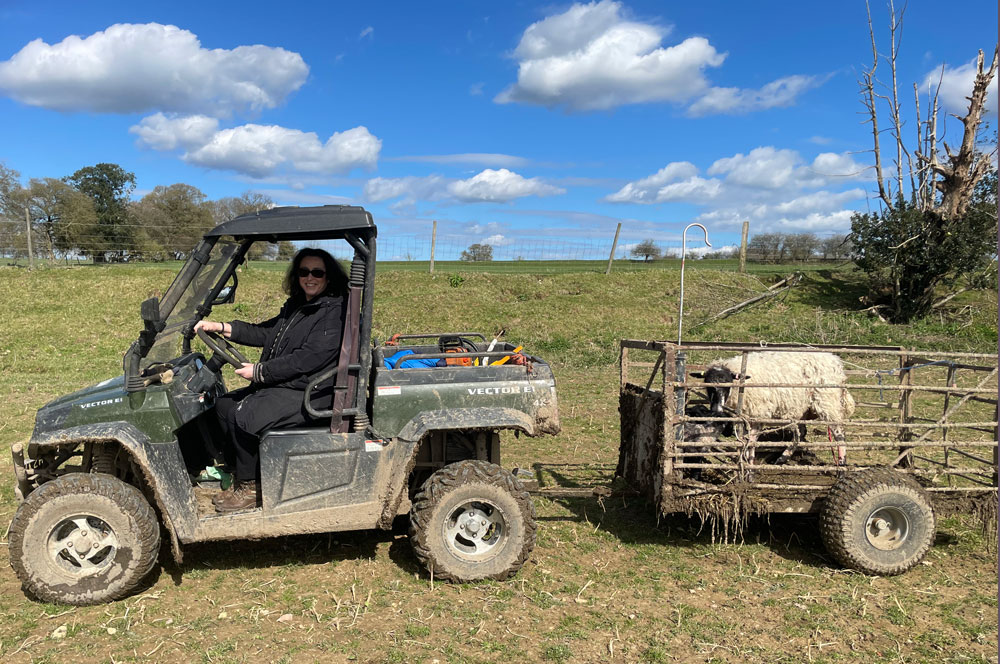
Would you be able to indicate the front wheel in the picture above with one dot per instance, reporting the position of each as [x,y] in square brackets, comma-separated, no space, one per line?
[877,521]
[472,520]
[83,538]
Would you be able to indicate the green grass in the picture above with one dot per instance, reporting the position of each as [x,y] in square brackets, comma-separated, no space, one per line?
[606,576]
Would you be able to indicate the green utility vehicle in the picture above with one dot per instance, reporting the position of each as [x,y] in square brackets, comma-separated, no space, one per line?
[109,468]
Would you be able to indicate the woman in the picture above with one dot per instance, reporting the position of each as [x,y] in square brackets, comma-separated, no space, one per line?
[299,343]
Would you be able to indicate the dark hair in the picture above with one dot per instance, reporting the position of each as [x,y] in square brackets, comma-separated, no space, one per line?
[336,278]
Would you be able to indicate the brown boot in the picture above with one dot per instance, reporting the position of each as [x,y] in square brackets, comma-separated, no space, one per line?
[244,496]
[222,495]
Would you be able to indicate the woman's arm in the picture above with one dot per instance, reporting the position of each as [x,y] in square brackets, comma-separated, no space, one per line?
[320,350]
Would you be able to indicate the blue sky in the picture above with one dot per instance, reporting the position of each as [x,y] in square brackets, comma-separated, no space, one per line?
[534,127]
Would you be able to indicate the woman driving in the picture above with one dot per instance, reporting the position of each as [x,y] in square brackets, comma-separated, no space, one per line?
[299,343]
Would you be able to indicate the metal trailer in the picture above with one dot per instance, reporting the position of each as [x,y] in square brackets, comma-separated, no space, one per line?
[922,441]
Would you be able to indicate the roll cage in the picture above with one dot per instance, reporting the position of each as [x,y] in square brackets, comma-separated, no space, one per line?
[204,278]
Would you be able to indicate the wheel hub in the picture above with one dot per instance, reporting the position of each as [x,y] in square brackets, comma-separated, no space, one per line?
[82,545]
[887,528]
[475,530]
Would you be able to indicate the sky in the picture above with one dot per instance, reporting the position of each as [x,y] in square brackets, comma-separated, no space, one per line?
[535,128]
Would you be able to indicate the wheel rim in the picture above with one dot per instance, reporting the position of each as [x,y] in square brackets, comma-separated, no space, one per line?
[82,545]
[887,528]
[475,530]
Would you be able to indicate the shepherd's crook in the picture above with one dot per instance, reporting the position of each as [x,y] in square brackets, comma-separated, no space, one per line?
[680,313]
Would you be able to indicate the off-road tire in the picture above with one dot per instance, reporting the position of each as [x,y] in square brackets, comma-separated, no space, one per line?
[466,483]
[110,506]
[856,501]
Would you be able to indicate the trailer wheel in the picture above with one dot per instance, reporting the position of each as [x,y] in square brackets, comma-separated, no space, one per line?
[472,520]
[83,538]
[877,521]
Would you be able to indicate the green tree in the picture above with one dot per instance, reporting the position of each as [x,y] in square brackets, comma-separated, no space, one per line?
[646,250]
[910,254]
[248,202]
[173,219]
[109,187]
[63,218]
[478,253]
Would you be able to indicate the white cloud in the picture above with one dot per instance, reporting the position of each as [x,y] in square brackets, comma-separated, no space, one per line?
[496,240]
[258,150]
[499,186]
[590,58]
[430,187]
[476,89]
[477,158]
[489,186]
[646,190]
[130,68]
[160,132]
[770,168]
[367,32]
[735,101]
[773,189]
[956,85]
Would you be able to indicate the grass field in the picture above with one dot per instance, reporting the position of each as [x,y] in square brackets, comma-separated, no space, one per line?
[608,581]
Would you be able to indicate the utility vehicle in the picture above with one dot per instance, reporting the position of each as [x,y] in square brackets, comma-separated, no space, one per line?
[108,469]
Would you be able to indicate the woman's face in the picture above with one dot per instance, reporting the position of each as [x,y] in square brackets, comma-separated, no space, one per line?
[311,284]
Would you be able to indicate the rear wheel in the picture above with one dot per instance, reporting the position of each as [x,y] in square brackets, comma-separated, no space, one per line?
[472,520]
[83,539]
[877,521]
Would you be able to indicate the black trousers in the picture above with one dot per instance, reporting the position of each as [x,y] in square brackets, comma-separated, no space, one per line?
[248,412]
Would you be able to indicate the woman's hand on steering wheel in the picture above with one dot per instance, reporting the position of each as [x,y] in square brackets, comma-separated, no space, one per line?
[211,334]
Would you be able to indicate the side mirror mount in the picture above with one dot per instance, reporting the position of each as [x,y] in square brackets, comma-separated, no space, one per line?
[227,295]
[149,310]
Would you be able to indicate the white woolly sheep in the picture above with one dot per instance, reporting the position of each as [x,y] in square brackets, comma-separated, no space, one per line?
[784,403]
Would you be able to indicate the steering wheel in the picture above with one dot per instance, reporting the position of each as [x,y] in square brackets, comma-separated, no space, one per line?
[222,347]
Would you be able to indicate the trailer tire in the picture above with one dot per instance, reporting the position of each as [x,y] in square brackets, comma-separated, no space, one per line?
[83,538]
[877,521]
[472,520]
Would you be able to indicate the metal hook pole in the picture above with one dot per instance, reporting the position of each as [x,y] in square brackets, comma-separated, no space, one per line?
[680,312]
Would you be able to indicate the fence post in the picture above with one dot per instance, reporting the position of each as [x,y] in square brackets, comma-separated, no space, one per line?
[614,246]
[434,234]
[27,228]
[743,247]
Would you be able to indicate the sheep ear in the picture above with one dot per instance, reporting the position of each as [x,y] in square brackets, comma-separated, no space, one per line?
[697,374]
[745,378]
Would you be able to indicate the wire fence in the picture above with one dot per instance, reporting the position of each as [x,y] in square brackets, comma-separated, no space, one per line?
[413,251]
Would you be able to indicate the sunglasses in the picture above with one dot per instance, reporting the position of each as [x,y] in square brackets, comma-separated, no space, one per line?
[316,272]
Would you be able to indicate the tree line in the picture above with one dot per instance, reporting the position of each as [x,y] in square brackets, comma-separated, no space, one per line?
[90,214]
[767,248]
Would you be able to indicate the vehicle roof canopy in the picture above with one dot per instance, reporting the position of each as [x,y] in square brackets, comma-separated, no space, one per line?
[325,222]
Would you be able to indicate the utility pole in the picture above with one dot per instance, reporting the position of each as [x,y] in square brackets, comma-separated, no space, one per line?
[614,246]
[434,234]
[27,228]
[743,247]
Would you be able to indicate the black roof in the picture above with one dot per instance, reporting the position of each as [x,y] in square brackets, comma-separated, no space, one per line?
[325,222]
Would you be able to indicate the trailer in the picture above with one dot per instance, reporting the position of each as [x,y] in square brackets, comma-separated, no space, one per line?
[921,442]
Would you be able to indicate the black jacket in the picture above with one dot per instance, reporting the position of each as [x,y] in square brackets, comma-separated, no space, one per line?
[300,342]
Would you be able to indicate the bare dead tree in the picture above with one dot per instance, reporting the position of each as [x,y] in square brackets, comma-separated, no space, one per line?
[944,187]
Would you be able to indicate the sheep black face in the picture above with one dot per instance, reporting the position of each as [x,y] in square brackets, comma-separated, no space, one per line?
[718,396]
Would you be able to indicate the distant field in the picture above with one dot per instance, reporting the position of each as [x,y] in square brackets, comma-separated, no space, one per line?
[608,581]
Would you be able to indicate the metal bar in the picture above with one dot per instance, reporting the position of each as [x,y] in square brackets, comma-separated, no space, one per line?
[850,386]
[874,445]
[850,423]
[831,468]
[962,452]
[823,348]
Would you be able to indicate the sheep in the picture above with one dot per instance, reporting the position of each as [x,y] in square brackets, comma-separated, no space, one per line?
[787,403]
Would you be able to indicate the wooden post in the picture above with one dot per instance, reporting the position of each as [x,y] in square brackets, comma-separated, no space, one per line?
[614,246]
[905,408]
[743,247]
[27,228]
[434,234]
